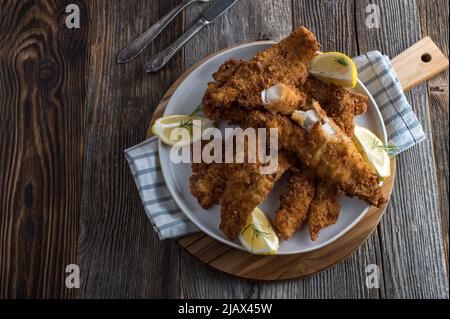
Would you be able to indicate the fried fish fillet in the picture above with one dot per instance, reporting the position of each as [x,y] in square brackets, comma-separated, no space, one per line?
[241,82]
[294,203]
[245,189]
[287,61]
[333,157]
[307,199]
[340,104]
[324,209]
[337,160]
[236,91]
[240,187]
[283,99]
[207,183]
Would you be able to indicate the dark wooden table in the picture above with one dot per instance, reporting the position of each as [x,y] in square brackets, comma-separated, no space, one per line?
[67,112]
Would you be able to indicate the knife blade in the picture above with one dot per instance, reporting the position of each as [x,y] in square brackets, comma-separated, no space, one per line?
[214,11]
[217,9]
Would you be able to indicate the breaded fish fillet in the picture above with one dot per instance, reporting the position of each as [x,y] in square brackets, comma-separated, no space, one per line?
[294,203]
[241,82]
[306,199]
[324,208]
[340,104]
[337,160]
[245,189]
[283,99]
[334,158]
[207,183]
[236,96]
[287,61]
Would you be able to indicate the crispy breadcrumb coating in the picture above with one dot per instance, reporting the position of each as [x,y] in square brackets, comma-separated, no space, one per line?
[294,203]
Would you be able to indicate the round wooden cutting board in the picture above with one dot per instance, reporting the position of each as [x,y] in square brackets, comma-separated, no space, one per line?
[238,263]
[411,69]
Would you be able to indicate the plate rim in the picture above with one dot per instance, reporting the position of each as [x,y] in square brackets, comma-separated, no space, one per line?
[165,168]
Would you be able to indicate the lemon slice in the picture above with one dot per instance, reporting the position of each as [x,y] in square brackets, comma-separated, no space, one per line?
[258,237]
[178,129]
[373,151]
[334,67]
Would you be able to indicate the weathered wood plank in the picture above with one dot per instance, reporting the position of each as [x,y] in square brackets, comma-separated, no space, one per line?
[68,108]
[248,20]
[119,253]
[333,22]
[410,233]
[434,15]
[42,89]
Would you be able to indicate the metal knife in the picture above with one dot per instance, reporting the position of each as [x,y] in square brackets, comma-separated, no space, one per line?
[211,13]
[140,43]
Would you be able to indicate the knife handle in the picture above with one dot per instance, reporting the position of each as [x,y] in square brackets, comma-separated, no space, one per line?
[140,43]
[160,60]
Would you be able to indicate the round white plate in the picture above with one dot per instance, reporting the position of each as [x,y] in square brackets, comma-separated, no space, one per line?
[187,96]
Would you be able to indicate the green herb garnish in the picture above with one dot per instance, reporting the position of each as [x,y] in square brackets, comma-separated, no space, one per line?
[256,233]
[341,61]
[188,122]
[198,109]
[390,149]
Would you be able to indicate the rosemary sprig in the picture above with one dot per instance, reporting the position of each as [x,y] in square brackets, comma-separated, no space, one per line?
[390,149]
[341,61]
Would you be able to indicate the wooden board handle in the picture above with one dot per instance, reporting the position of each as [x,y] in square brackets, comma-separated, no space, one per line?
[419,63]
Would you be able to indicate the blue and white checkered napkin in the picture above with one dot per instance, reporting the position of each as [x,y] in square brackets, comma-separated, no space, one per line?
[167,219]
[375,71]
[402,127]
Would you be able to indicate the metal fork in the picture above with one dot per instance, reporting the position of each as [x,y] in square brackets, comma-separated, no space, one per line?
[139,44]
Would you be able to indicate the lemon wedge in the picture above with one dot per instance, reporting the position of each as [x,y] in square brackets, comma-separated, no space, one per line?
[258,237]
[373,151]
[178,129]
[334,67]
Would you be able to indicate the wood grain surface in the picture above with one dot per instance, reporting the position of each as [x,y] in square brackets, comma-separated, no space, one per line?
[41,145]
[410,230]
[67,112]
